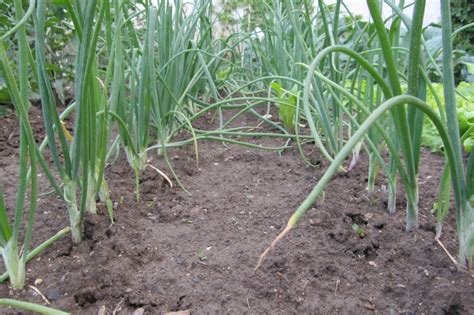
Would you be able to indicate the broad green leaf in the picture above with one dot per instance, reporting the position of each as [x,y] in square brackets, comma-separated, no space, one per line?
[469,143]
[223,74]
[277,88]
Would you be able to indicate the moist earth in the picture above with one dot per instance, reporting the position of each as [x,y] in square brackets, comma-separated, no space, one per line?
[175,251]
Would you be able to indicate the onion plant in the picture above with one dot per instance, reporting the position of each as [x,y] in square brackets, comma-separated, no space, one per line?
[286,39]
[153,81]
[293,33]
[9,234]
[132,102]
[14,255]
[79,164]
[186,64]
[270,55]
[406,124]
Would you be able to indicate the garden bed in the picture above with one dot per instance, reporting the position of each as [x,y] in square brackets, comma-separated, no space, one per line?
[172,251]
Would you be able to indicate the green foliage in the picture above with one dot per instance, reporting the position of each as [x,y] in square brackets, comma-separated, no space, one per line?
[465,107]
[255,12]
[359,230]
[465,110]
[390,69]
[462,12]
[7,15]
[286,105]
[60,52]
[223,74]
[7,21]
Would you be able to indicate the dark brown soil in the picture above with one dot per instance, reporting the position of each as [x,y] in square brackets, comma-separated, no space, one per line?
[172,251]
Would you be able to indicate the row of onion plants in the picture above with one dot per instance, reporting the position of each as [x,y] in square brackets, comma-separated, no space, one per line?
[15,259]
[142,79]
[406,111]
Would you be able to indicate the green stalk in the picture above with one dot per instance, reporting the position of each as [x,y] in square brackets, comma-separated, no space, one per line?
[392,173]
[52,122]
[70,198]
[51,119]
[31,307]
[464,209]
[14,262]
[444,194]
[5,230]
[400,117]
[415,117]
[416,83]
[89,93]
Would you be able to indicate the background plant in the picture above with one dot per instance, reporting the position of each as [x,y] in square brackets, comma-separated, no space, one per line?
[461,14]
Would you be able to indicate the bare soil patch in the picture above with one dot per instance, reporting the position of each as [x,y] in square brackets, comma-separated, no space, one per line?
[172,251]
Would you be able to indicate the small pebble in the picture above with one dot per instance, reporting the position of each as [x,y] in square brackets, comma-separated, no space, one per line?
[53,294]
[102,310]
[139,311]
